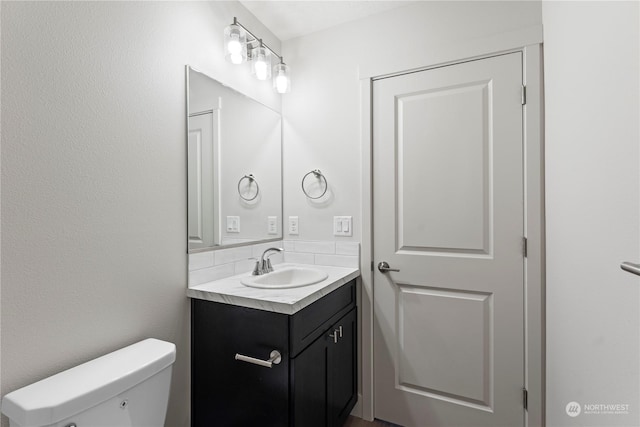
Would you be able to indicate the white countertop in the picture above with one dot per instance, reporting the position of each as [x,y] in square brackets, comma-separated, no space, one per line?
[286,301]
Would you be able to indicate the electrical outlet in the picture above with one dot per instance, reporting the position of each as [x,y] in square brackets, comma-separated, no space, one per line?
[342,226]
[293,225]
[233,224]
[272,225]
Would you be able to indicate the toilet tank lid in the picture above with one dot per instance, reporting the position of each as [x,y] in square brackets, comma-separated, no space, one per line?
[77,389]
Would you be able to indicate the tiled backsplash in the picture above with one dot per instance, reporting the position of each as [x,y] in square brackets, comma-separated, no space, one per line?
[208,266]
[337,254]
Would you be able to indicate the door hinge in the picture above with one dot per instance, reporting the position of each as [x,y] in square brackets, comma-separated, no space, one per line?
[371,265]
[525,398]
[524,95]
[524,247]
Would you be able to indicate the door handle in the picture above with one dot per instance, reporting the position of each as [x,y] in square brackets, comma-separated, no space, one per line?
[274,358]
[383,267]
[631,267]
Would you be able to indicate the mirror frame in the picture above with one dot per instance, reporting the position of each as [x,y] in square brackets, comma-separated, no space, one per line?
[232,245]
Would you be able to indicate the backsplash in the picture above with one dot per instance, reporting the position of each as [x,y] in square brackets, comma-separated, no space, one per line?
[208,266]
[214,265]
[336,254]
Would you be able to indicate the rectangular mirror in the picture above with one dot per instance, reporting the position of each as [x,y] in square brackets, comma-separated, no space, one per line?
[234,167]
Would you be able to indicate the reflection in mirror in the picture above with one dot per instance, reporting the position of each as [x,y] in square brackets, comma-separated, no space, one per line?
[234,167]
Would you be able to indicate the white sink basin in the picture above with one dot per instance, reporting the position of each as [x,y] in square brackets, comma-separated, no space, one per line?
[287,277]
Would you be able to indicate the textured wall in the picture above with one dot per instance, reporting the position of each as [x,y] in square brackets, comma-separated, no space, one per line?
[592,103]
[322,112]
[94,177]
[323,117]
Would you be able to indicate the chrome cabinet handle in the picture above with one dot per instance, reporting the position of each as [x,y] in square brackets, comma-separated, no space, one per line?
[631,267]
[383,267]
[274,359]
[337,333]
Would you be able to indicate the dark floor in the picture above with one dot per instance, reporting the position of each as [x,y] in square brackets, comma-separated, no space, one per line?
[359,422]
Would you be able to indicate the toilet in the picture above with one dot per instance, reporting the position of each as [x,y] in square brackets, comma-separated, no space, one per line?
[126,388]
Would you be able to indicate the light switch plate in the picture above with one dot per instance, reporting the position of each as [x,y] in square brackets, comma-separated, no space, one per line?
[342,226]
[233,224]
[293,225]
[272,225]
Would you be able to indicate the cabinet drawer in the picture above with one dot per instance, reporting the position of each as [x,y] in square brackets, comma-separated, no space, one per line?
[312,321]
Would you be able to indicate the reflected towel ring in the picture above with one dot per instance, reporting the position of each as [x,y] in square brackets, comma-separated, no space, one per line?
[319,175]
[251,179]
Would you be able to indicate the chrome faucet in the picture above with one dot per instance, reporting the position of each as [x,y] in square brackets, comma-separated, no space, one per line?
[264,265]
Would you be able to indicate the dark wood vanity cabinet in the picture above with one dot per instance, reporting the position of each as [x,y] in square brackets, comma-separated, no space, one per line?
[315,383]
[323,377]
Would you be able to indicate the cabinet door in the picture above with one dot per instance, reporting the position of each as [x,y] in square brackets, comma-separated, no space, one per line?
[228,392]
[309,386]
[342,370]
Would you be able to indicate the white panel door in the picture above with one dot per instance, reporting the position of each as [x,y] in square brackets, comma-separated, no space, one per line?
[448,214]
[202,159]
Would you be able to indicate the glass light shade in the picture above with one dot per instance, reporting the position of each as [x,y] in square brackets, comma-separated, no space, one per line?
[281,78]
[235,44]
[261,63]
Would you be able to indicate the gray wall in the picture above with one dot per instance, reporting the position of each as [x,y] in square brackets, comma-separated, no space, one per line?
[325,134]
[94,177]
[592,111]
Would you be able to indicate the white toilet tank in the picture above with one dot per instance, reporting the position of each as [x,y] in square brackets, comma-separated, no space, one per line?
[126,388]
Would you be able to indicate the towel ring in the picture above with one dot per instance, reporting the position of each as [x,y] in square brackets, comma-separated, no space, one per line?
[251,179]
[319,175]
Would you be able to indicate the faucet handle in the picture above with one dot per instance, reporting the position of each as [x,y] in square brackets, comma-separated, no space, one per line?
[256,268]
[268,268]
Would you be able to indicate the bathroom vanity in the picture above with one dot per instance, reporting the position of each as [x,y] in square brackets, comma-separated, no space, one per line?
[237,379]
[274,349]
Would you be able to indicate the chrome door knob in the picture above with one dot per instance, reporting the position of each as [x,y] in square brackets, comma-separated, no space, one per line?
[383,267]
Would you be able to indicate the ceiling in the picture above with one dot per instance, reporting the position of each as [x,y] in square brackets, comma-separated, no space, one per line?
[291,19]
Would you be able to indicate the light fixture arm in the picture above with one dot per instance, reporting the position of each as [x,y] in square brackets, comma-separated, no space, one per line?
[262,44]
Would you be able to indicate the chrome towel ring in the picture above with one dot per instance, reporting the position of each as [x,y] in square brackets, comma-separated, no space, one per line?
[319,176]
[252,179]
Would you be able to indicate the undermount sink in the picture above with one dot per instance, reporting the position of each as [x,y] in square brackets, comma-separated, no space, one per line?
[287,277]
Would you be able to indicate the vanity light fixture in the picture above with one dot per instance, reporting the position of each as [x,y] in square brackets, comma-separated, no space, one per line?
[261,62]
[235,44]
[281,80]
[238,41]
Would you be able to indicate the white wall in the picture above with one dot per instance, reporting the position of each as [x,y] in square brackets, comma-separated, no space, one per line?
[322,113]
[251,143]
[592,208]
[94,177]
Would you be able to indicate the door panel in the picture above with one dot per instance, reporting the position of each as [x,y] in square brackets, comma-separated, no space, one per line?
[448,213]
[202,159]
[194,178]
[452,359]
[229,392]
[343,384]
[309,386]
[454,149]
